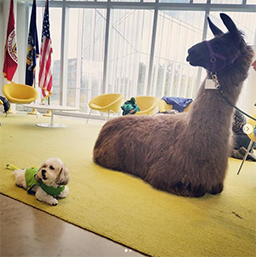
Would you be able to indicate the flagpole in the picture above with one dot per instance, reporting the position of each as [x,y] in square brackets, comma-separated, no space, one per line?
[34,111]
[32,52]
[48,113]
[45,75]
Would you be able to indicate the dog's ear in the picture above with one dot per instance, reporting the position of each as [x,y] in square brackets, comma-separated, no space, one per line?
[63,177]
[37,177]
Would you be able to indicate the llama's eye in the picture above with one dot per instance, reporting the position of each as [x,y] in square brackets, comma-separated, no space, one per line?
[51,167]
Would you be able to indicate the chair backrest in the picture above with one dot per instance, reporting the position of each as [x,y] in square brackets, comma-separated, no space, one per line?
[19,93]
[105,99]
[147,104]
[107,102]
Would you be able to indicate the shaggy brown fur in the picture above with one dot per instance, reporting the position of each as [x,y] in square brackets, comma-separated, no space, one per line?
[185,154]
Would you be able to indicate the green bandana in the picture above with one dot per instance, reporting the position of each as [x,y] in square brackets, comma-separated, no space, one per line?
[31,181]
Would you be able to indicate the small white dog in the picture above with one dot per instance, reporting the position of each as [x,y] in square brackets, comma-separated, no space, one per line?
[47,182]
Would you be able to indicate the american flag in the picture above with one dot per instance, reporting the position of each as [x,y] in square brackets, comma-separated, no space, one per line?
[45,74]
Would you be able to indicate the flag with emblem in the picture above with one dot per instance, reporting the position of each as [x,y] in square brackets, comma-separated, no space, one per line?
[45,74]
[10,51]
[32,49]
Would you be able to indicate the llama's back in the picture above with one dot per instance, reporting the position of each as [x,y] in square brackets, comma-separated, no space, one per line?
[133,143]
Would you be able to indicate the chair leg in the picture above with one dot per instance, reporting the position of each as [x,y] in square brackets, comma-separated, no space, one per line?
[89,116]
[10,111]
[108,115]
[245,156]
[33,112]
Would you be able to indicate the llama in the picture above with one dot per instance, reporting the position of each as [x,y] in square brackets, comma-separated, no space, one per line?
[185,154]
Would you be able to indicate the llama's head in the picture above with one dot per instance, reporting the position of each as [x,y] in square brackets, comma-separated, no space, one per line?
[222,52]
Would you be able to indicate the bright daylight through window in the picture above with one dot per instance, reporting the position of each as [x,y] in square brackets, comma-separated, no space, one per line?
[132,47]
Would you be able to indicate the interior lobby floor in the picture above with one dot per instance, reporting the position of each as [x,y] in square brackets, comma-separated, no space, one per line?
[26,231]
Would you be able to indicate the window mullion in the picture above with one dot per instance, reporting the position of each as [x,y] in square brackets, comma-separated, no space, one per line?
[152,51]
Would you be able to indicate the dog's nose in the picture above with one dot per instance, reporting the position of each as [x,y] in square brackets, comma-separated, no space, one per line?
[43,174]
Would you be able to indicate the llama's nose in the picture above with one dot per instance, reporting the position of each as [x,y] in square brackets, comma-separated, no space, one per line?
[190,52]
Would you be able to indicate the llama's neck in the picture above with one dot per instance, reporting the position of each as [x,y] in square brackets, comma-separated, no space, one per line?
[211,112]
[209,107]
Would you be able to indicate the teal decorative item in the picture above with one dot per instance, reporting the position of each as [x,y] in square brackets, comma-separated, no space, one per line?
[130,107]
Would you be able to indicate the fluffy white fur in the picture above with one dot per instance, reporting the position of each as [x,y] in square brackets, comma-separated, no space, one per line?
[53,173]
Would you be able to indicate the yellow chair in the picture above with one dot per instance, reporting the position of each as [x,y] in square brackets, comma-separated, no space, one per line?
[164,107]
[20,93]
[147,104]
[109,103]
[251,126]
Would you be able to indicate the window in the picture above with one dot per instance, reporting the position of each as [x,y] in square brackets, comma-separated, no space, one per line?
[108,46]
[86,44]
[177,31]
[226,1]
[129,51]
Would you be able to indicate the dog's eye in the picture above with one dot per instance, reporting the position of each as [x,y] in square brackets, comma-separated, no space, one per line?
[51,167]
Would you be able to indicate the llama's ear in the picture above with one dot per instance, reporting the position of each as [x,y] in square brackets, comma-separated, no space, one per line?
[231,27]
[215,30]
[229,23]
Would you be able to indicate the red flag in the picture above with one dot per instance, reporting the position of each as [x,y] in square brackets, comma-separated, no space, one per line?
[45,74]
[10,58]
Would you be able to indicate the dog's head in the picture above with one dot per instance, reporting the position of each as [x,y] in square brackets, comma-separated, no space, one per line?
[53,172]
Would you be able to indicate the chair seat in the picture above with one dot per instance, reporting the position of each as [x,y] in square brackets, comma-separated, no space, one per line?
[20,93]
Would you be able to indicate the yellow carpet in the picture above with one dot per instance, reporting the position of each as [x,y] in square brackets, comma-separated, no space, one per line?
[124,208]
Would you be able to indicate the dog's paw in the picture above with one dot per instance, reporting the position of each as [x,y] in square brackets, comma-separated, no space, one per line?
[53,202]
[64,193]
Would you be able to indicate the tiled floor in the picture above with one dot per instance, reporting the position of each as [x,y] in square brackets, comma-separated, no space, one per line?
[26,231]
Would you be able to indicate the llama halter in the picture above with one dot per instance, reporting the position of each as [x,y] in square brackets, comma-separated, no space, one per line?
[227,61]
